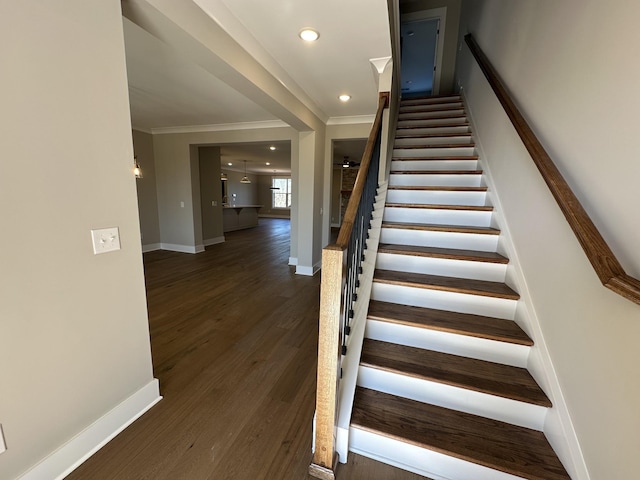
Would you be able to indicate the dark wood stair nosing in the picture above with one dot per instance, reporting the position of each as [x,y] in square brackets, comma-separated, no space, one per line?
[444,253]
[431,206]
[463,286]
[441,228]
[466,324]
[519,451]
[482,376]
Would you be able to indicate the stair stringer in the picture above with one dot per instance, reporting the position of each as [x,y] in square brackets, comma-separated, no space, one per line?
[558,426]
[351,361]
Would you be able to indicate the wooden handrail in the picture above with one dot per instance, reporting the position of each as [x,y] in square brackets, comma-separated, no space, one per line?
[358,187]
[604,262]
[334,271]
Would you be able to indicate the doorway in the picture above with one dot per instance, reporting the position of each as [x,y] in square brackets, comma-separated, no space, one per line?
[421,44]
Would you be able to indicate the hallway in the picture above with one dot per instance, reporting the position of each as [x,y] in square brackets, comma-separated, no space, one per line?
[234,342]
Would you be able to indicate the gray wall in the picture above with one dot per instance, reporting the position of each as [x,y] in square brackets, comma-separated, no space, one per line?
[74,339]
[569,66]
[210,192]
[146,189]
[447,79]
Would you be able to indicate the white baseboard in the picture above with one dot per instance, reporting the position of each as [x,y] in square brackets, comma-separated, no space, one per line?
[199,248]
[151,247]
[308,271]
[267,215]
[214,241]
[293,261]
[72,454]
[174,247]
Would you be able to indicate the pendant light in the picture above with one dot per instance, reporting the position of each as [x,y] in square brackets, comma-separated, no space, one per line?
[137,171]
[245,179]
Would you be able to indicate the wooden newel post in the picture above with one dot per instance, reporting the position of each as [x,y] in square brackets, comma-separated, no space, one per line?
[333,273]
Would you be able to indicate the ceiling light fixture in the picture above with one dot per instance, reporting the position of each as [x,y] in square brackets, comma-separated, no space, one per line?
[345,164]
[229,163]
[344,97]
[268,163]
[272,148]
[245,179]
[223,177]
[137,171]
[309,35]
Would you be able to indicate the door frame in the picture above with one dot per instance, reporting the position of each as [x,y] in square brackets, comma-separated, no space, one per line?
[431,14]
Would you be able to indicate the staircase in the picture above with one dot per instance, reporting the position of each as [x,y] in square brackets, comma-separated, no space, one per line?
[443,389]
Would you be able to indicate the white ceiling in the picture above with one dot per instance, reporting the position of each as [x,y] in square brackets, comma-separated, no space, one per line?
[168,90]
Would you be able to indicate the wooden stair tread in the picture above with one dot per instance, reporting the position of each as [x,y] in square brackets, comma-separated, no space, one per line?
[436,252]
[475,208]
[442,228]
[434,145]
[448,284]
[516,450]
[478,326]
[436,135]
[441,117]
[436,172]
[504,381]
[442,125]
[418,159]
[447,188]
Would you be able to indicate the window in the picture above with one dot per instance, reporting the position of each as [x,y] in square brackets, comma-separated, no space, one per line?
[281,192]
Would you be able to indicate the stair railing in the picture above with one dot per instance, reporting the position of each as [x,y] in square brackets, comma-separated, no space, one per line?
[341,267]
[604,262]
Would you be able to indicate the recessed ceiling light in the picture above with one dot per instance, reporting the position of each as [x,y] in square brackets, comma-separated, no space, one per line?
[229,163]
[344,98]
[267,163]
[309,35]
[272,147]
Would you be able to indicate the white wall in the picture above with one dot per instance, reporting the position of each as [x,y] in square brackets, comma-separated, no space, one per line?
[74,338]
[570,66]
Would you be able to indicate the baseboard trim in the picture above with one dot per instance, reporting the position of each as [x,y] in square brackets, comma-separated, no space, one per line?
[308,271]
[72,454]
[266,215]
[214,241]
[293,261]
[174,247]
[151,247]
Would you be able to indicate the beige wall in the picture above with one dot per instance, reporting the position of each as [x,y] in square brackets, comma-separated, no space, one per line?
[74,338]
[210,193]
[570,67]
[146,189]
[447,79]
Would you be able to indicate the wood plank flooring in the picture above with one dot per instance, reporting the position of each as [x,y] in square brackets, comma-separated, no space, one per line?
[234,344]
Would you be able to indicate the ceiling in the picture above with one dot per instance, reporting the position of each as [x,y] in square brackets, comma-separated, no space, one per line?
[168,90]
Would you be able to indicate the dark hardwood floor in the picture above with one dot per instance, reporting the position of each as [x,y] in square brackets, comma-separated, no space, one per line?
[234,344]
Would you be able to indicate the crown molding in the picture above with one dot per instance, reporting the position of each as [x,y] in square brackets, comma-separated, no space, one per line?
[353,120]
[220,127]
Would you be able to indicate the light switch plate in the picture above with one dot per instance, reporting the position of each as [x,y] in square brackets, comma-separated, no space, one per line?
[105,240]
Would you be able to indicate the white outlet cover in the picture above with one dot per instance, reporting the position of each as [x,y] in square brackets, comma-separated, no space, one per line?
[105,240]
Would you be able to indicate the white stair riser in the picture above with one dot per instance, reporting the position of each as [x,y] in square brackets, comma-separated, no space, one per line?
[428,463]
[435,179]
[492,272]
[433,106]
[433,152]
[445,342]
[446,140]
[436,216]
[432,122]
[437,197]
[431,130]
[430,114]
[443,300]
[416,165]
[454,398]
[463,241]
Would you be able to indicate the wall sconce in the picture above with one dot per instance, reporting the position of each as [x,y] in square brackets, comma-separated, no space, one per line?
[137,171]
